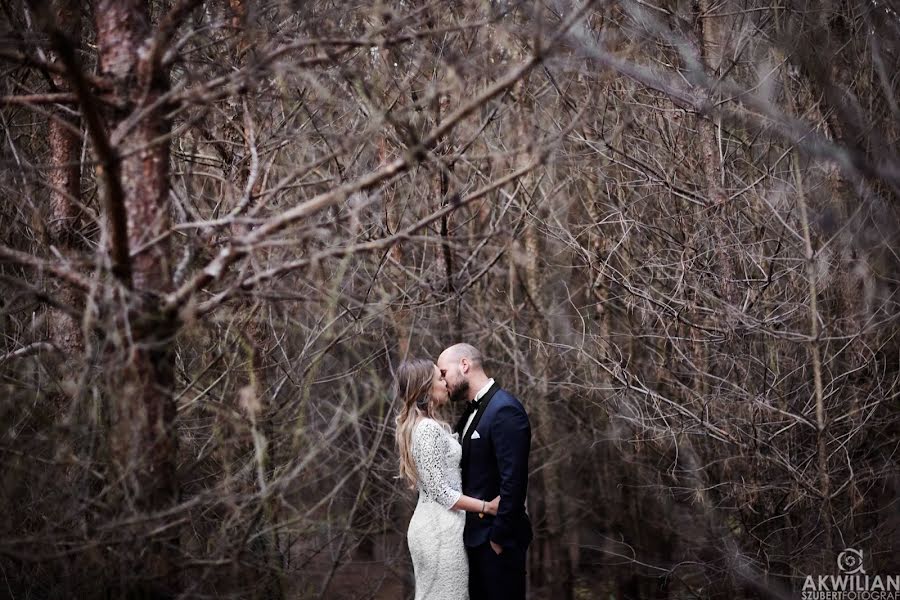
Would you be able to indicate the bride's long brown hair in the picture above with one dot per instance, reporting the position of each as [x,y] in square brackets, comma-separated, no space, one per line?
[412,391]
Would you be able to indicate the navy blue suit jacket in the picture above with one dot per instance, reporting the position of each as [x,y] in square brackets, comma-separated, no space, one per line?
[496,462]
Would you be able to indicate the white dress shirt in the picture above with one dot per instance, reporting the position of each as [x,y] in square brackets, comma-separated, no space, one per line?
[478,396]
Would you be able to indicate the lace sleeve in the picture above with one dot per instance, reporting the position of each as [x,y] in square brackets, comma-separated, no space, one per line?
[429,452]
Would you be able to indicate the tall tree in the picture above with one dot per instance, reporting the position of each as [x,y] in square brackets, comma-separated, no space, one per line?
[64,178]
[144,448]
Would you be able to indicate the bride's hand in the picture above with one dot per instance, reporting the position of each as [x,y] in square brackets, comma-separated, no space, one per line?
[492,506]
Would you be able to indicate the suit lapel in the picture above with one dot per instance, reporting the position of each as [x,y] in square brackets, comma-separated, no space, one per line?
[467,440]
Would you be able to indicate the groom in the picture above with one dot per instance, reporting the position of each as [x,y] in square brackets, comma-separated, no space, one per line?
[496,438]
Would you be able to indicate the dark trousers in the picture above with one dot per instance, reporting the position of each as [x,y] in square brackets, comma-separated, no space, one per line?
[496,577]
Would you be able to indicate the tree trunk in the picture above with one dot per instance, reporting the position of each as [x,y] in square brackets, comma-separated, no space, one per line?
[711,167]
[64,179]
[707,43]
[144,446]
[555,564]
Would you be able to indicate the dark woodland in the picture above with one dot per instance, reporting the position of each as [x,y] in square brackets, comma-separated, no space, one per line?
[671,226]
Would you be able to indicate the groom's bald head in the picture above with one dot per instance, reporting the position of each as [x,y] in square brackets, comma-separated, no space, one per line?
[468,351]
[461,366]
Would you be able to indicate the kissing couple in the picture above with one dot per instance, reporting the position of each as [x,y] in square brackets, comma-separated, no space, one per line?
[469,533]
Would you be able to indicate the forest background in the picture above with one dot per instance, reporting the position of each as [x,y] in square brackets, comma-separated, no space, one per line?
[670,225]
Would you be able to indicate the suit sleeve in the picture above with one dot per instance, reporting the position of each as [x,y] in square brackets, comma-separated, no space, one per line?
[511,434]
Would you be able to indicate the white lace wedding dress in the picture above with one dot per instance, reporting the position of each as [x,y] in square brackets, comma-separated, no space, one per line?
[435,532]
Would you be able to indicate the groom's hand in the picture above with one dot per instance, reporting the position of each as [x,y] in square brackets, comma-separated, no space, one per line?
[497,548]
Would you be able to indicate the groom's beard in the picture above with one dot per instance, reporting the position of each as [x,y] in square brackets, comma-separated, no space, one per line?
[460,393]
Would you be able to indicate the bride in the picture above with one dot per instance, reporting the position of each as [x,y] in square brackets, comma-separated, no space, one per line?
[429,461]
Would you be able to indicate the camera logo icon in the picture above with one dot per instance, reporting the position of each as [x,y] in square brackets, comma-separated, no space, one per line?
[850,561]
